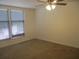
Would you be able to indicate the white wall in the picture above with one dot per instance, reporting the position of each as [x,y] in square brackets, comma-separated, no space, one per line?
[59,26]
[30,23]
[29,26]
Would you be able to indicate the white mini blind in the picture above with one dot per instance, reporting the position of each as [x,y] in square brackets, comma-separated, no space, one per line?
[17,22]
[4,29]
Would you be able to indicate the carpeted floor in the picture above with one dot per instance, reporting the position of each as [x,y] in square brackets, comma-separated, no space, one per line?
[38,49]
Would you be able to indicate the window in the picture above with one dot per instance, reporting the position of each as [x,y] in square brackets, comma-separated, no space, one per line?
[4,29]
[11,23]
[17,22]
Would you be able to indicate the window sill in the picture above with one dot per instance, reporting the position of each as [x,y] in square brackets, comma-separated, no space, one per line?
[13,37]
[22,34]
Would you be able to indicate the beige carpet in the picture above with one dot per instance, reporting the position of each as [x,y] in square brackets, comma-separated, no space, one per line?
[38,49]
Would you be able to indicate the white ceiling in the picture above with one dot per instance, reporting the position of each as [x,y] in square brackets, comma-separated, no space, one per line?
[23,3]
[19,3]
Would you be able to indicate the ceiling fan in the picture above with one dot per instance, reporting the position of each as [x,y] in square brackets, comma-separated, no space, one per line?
[51,4]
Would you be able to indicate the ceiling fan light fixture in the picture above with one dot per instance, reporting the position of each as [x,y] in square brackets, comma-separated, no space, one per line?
[54,6]
[48,7]
[51,6]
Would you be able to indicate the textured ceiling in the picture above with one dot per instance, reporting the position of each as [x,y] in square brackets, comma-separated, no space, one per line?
[24,3]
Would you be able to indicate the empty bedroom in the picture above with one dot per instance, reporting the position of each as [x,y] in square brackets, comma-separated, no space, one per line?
[39,29]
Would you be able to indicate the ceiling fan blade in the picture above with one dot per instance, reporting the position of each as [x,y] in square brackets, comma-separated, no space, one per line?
[60,0]
[55,0]
[72,0]
[60,4]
